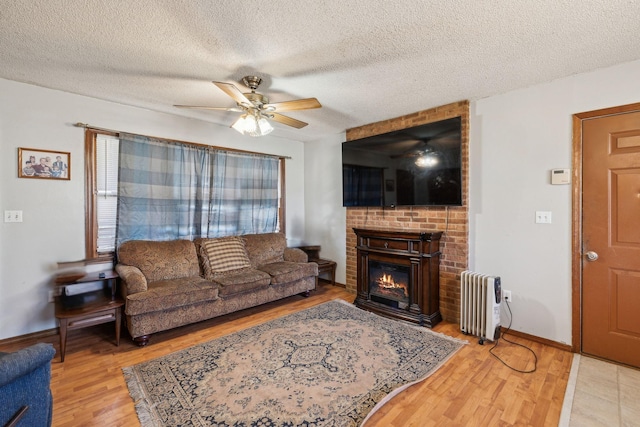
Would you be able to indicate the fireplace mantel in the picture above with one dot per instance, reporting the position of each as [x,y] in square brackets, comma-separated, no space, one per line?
[420,251]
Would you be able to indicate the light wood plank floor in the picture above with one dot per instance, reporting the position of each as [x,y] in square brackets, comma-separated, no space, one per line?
[471,389]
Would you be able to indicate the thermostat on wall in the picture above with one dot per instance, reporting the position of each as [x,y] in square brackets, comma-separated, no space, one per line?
[560,176]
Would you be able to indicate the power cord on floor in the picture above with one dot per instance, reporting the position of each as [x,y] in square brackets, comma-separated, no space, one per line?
[535,358]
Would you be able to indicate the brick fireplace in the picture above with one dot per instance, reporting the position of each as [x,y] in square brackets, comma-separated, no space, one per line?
[452,221]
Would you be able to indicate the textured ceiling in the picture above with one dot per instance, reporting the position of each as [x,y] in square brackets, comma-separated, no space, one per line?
[365,60]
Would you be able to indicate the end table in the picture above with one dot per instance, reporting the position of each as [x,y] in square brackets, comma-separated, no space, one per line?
[102,308]
[324,265]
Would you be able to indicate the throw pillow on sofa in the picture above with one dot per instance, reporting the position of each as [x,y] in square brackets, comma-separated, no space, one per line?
[224,255]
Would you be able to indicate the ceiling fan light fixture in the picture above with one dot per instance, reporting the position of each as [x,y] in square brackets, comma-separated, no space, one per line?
[251,125]
[427,160]
[256,109]
[264,126]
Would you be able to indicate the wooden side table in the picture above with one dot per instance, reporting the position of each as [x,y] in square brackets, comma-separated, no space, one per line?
[103,307]
[324,265]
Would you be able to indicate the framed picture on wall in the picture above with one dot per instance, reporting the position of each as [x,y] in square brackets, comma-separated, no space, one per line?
[43,164]
[389,185]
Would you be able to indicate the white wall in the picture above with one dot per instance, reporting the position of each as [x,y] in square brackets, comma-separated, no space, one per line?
[53,211]
[515,140]
[325,217]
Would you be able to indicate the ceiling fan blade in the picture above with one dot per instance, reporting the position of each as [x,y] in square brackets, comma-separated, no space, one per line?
[299,104]
[234,93]
[406,155]
[197,107]
[286,120]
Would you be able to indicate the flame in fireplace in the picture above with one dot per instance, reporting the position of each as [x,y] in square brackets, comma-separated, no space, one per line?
[386,281]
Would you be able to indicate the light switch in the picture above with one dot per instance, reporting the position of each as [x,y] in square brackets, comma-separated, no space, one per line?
[12,216]
[543,217]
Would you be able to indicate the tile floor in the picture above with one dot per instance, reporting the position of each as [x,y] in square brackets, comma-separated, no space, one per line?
[601,394]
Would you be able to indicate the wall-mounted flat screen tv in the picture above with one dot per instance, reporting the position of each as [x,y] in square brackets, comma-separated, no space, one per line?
[418,166]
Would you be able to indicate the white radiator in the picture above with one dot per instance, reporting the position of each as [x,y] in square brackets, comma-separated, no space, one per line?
[480,297]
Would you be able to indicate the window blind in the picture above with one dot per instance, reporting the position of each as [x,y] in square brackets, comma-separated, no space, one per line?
[107,191]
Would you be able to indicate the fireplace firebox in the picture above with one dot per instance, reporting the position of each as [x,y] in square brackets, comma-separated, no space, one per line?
[389,283]
[398,274]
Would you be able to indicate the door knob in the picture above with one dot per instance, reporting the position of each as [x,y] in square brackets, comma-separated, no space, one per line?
[591,256]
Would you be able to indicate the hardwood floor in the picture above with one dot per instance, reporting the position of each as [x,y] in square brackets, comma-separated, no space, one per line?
[472,389]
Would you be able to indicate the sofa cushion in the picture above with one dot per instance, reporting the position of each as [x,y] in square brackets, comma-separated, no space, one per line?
[285,271]
[244,281]
[167,294]
[265,248]
[161,260]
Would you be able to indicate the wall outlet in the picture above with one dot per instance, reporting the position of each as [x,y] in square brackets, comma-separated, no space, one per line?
[53,293]
[506,295]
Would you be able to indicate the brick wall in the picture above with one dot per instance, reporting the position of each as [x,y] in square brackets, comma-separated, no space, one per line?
[454,221]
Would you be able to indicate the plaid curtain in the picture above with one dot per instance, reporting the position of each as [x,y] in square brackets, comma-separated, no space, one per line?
[362,186]
[245,194]
[172,191]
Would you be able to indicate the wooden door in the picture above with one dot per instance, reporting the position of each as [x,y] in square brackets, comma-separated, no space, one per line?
[611,237]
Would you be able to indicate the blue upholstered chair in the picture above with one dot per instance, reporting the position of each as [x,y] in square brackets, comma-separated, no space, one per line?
[25,378]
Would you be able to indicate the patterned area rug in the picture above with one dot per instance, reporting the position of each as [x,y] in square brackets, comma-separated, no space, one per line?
[329,365]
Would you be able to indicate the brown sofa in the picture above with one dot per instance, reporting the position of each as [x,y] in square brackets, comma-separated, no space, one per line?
[175,283]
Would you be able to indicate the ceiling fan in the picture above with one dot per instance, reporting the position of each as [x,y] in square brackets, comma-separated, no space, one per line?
[423,155]
[419,146]
[427,151]
[256,109]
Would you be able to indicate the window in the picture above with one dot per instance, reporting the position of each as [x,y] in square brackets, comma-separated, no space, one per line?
[100,200]
[362,186]
[106,192]
[102,154]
